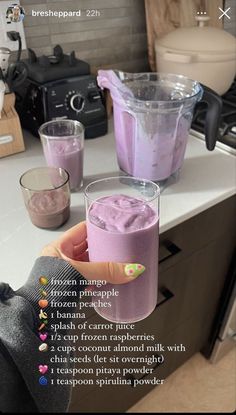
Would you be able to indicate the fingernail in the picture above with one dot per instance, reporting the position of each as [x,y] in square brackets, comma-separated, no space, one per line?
[134,270]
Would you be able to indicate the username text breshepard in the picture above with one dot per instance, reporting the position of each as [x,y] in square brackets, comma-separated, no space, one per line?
[56,13]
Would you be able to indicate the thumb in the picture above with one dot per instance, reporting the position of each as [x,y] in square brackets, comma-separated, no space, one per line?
[113,272]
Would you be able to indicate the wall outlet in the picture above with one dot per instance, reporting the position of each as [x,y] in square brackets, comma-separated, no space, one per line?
[6,26]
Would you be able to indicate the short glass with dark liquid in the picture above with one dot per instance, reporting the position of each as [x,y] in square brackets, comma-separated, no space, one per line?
[46,195]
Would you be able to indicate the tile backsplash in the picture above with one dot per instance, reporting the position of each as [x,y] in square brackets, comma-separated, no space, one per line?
[115,36]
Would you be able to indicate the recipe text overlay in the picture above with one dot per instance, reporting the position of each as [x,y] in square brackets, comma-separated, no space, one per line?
[85,349]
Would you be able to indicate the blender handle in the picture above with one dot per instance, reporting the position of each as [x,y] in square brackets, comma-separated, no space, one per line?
[212,123]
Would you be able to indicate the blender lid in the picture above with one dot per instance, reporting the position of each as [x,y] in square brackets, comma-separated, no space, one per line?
[208,40]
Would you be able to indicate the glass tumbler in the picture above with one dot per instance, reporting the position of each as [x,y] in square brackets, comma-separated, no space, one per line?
[63,146]
[122,216]
[46,194]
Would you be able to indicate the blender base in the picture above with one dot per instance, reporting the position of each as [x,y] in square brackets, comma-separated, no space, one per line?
[174,178]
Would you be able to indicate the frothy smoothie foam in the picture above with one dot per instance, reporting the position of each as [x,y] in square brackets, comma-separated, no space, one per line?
[125,229]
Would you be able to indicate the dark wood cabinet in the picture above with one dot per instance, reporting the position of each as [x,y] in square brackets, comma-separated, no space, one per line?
[194,260]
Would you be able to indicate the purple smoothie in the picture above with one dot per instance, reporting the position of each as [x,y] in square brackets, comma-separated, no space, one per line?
[148,144]
[68,154]
[125,229]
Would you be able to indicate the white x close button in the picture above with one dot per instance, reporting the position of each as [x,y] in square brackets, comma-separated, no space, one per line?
[224,13]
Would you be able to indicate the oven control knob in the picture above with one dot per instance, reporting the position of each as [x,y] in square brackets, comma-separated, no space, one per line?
[77,102]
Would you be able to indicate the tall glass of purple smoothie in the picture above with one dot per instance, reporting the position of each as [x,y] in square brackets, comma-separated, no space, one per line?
[123,226]
[63,146]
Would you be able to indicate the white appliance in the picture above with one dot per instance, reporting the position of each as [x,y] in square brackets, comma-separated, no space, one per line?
[226,338]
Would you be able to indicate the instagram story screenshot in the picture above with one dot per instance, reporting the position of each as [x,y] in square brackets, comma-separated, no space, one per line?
[118,199]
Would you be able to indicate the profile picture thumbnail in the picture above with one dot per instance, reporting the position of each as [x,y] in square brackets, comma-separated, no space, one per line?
[15,13]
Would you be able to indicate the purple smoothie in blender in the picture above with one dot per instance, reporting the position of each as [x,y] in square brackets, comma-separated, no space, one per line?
[144,152]
[152,118]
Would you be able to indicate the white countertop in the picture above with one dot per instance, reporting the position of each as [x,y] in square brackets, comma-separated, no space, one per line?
[206,179]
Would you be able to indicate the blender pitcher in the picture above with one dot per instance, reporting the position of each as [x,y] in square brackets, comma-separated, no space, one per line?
[152,118]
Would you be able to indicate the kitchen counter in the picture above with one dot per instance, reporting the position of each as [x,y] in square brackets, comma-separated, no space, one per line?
[206,179]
